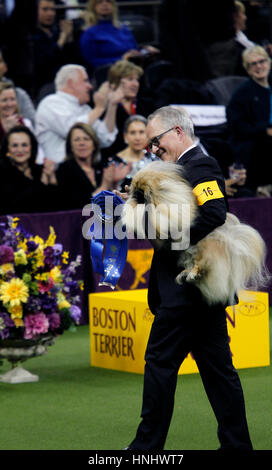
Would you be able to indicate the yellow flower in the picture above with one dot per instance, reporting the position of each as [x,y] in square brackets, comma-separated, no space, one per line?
[38,240]
[13,292]
[55,274]
[42,276]
[40,257]
[16,311]
[18,322]
[51,238]
[22,244]
[14,222]
[64,304]
[20,257]
[65,256]
[6,268]
[81,285]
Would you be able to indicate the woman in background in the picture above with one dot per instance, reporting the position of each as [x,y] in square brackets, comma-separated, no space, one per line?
[81,175]
[135,154]
[127,74]
[10,115]
[250,121]
[24,185]
[105,40]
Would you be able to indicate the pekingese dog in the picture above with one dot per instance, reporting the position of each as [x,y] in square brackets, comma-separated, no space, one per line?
[230,258]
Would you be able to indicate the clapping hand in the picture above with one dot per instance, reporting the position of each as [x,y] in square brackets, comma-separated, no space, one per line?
[113,174]
[48,173]
[66,28]
[101,96]
[117,95]
[10,122]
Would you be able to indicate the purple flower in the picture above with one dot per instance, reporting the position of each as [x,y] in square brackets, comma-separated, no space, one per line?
[48,303]
[54,321]
[58,248]
[35,325]
[6,254]
[49,256]
[72,288]
[5,324]
[33,304]
[75,313]
[31,246]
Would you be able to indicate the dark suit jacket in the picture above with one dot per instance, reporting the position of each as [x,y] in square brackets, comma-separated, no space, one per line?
[19,194]
[248,115]
[75,187]
[163,291]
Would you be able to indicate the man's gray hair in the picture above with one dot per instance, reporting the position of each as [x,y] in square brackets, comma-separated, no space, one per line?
[66,72]
[171,116]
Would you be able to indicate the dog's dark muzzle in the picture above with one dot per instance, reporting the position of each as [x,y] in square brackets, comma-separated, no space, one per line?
[139,195]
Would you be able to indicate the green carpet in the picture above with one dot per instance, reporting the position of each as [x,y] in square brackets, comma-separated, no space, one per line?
[78,407]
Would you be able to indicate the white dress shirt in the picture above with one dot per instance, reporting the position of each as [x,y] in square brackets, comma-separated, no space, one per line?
[55,115]
[243,39]
[187,150]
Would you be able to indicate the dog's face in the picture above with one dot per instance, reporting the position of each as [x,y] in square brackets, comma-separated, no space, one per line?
[159,190]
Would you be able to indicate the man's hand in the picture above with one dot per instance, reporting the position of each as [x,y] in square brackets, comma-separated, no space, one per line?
[101,96]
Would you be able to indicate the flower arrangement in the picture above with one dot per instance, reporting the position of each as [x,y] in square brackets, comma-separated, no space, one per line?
[38,293]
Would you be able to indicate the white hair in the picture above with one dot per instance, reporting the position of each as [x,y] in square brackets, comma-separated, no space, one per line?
[171,116]
[66,72]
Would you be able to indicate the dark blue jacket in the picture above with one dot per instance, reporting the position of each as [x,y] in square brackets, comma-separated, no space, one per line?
[105,44]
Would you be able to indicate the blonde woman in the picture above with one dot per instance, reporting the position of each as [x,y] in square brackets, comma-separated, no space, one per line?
[106,40]
[249,118]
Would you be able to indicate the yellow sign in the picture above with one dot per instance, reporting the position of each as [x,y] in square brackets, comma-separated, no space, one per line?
[120,324]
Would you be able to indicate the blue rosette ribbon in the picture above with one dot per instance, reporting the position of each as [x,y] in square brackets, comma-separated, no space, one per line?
[104,240]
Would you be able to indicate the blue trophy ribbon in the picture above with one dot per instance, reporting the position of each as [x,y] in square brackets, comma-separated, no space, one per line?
[104,240]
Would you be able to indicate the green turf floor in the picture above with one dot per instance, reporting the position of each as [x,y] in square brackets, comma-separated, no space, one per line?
[78,407]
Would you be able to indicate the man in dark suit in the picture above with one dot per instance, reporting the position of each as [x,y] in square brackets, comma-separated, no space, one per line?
[183,322]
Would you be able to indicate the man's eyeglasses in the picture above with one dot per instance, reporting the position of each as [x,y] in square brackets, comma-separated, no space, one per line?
[156,140]
[257,62]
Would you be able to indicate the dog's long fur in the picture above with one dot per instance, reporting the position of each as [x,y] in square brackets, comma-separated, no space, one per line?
[230,258]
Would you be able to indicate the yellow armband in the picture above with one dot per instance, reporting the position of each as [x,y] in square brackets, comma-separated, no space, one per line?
[207,191]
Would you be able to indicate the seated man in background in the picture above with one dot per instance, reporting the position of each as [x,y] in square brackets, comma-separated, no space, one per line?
[58,112]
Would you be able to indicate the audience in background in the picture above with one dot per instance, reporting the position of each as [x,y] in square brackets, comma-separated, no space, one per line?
[198,37]
[250,120]
[135,155]
[10,113]
[24,101]
[57,112]
[81,175]
[242,41]
[126,74]
[46,43]
[106,40]
[17,40]
[53,43]
[235,174]
[24,185]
